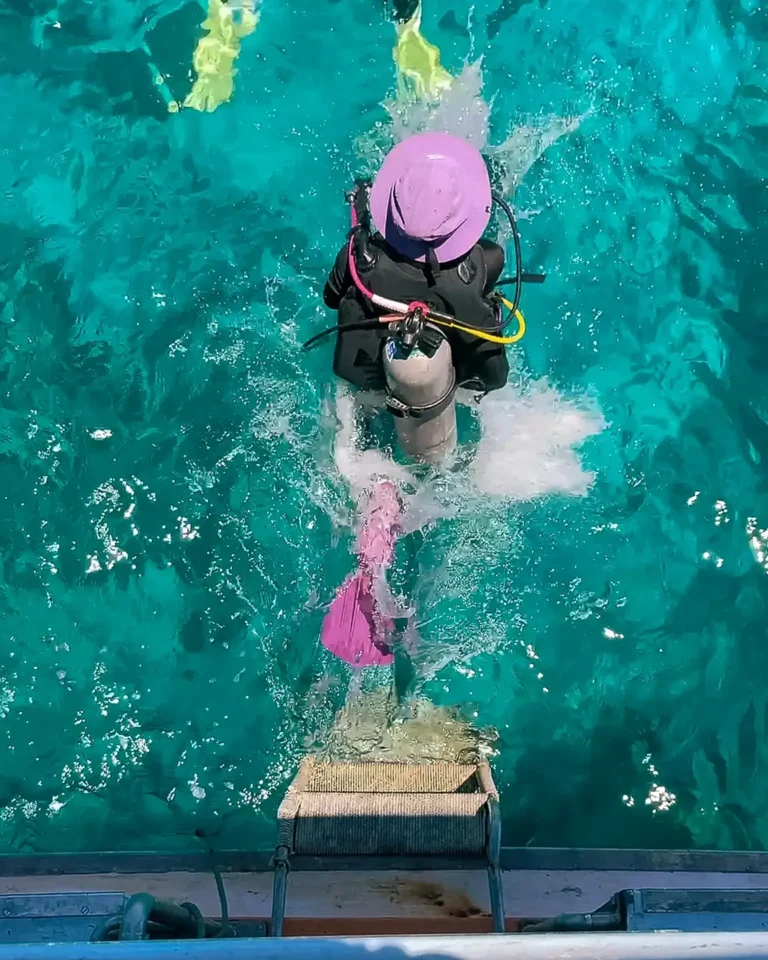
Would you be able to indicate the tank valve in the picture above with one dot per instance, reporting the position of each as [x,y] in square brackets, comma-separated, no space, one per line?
[414,331]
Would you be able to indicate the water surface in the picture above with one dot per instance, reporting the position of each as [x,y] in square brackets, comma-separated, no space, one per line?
[172,516]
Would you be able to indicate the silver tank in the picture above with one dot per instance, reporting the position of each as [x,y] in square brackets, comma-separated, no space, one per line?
[418,380]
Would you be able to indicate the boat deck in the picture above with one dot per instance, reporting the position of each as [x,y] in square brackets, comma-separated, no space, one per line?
[537,883]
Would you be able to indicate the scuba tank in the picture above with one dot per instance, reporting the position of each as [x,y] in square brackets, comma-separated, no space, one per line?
[421,383]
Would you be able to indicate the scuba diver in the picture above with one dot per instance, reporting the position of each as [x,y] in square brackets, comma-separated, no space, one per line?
[417,318]
[417,237]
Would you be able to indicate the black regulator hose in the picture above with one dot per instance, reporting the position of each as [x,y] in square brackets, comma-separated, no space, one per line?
[518,280]
[362,325]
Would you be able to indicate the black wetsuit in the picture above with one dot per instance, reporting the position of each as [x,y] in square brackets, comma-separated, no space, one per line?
[459,288]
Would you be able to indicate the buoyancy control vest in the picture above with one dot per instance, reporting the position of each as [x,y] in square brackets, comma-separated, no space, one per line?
[455,289]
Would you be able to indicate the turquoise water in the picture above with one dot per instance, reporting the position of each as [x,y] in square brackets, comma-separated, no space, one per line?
[173,518]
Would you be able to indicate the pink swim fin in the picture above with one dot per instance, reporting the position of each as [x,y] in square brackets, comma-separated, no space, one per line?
[354,629]
[349,629]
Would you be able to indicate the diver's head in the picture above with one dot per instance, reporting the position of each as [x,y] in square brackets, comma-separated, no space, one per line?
[432,192]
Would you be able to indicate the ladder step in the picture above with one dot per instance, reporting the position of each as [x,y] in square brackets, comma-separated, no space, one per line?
[390,824]
[317,777]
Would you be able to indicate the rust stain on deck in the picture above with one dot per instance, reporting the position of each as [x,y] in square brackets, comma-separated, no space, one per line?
[439,898]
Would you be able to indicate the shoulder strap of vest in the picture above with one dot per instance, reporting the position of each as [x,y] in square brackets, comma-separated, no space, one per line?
[483,268]
[364,256]
[361,203]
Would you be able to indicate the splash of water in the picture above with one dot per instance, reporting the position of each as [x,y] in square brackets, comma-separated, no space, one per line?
[461,110]
[358,465]
[525,144]
[425,507]
[529,436]
[389,606]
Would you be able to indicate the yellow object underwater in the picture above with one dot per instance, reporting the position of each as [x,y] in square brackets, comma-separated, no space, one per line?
[216,53]
[418,62]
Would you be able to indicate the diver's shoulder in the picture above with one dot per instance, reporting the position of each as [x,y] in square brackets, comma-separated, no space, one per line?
[488,246]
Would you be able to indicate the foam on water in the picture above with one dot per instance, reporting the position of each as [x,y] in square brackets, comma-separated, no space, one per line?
[356,459]
[530,438]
